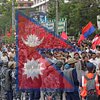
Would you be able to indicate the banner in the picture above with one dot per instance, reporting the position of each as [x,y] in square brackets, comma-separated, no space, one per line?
[33,70]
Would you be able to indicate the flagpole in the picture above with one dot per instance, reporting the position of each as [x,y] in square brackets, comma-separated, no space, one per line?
[56,16]
[13,16]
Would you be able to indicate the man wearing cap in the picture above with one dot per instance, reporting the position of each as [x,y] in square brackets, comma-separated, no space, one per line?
[71,73]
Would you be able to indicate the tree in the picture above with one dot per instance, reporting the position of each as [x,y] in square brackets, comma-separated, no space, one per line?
[6,18]
[78,13]
[10,39]
[89,12]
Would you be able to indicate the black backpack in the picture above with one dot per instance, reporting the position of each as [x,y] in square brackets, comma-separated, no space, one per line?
[91,88]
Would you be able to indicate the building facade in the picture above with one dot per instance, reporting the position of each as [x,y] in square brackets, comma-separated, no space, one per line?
[40,5]
[24,3]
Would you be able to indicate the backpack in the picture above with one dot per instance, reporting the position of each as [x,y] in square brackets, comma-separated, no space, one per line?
[90,85]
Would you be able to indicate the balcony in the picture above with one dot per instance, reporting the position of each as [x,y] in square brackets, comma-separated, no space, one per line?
[39,3]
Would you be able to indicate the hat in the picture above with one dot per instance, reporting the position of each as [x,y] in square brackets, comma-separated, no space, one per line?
[67,66]
[71,61]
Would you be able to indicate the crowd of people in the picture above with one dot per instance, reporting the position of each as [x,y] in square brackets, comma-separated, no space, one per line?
[82,68]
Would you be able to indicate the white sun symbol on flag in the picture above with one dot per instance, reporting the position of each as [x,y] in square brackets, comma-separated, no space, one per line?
[32,68]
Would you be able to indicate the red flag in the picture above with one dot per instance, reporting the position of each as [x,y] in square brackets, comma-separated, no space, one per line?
[95,41]
[88,30]
[32,37]
[81,39]
[64,35]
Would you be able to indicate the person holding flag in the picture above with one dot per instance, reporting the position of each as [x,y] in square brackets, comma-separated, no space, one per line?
[86,32]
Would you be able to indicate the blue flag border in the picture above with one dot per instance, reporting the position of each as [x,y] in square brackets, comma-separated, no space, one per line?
[58,36]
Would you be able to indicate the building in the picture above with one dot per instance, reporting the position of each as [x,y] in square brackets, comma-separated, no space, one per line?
[24,3]
[40,5]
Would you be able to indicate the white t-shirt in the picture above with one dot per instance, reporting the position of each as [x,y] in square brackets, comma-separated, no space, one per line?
[95,61]
[9,53]
[98,61]
[4,58]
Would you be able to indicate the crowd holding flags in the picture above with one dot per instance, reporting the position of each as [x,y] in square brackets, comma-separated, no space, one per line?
[48,63]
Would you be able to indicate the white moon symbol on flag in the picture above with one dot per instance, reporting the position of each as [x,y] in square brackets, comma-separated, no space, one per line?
[32,40]
[32,69]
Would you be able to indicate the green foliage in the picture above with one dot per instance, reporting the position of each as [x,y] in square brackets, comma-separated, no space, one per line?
[6,18]
[7,8]
[7,39]
[97,31]
[78,14]
[5,23]
[51,10]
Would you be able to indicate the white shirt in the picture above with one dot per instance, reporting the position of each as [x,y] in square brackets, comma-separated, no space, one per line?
[95,61]
[4,58]
[98,61]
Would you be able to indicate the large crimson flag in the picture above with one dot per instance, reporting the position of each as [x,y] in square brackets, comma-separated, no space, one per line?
[33,71]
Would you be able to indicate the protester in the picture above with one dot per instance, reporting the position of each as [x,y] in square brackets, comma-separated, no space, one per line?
[54,80]
[78,65]
[94,59]
[4,57]
[35,94]
[71,65]
[90,87]
[72,75]
[9,80]
[98,73]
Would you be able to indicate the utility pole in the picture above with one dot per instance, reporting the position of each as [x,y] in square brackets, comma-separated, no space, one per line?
[56,16]
[13,16]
